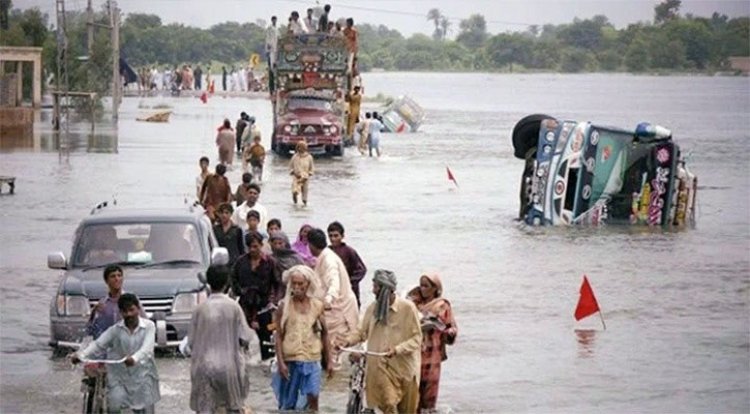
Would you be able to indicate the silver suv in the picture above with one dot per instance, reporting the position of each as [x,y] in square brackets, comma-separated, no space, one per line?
[164,255]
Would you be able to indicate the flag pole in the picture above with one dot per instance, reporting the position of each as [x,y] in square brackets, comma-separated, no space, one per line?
[602,317]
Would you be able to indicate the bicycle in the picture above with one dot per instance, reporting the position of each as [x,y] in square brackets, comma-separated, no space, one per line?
[93,383]
[357,384]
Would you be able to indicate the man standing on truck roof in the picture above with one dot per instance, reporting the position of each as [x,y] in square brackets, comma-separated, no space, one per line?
[352,36]
[295,27]
[272,39]
[323,22]
[310,24]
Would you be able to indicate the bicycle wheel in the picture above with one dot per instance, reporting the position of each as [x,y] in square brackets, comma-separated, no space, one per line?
[88,389]
[354,405]
[99,405]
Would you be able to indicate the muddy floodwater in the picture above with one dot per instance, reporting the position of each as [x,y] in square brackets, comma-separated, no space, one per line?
[675,302]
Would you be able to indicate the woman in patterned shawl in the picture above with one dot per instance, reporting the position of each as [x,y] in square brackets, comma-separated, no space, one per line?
[438,329]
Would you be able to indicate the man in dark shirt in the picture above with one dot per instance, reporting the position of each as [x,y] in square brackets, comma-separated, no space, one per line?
[198,81]
[355,267]
[254,282]
[227,234]
[239,128]
[323,21]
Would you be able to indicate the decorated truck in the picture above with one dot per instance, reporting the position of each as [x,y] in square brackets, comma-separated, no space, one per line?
[310,83]
[589,174]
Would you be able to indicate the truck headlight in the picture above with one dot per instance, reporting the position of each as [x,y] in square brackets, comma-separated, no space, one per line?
[73,305]
[187,302]
[287,128]
[332,130]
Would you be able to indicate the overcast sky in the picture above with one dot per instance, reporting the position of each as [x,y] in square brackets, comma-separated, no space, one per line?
[407,16]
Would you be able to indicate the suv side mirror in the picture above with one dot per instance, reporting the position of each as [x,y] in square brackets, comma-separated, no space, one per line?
[219,256]
[56,260]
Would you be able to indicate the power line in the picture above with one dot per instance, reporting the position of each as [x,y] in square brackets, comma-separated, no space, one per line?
[406,13]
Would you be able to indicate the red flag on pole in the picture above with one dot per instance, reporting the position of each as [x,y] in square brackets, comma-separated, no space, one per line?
[450,176]
[587,304]
[204,97]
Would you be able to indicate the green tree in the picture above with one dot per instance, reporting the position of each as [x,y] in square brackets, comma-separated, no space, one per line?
[666,53]
[584,34]
[545,54]
[142,21]
[473,32]
[609,60]
[445,26]
[435,15]
[666,10]
[636,57]
[576,60]
[696,37]
[507,49]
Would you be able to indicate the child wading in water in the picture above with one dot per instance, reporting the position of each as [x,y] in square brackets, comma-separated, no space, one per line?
[301,167]
[257,156]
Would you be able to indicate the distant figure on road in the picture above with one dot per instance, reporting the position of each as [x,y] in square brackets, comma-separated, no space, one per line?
[215,191]
[198,73]
[203,162]
[225,143]
[301,167]
[223,78]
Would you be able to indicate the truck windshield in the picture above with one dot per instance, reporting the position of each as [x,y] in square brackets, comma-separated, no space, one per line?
[310,104]
[99,244]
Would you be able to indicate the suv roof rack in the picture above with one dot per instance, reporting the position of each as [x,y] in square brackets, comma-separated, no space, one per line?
[99,207]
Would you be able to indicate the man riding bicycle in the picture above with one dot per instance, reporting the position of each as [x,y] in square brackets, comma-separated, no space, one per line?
[133,384]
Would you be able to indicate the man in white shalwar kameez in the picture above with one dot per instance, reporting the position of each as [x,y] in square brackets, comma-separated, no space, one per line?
[335,290]
[218,339]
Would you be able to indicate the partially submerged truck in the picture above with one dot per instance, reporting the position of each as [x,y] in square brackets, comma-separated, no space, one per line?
[310,83]
[590,174]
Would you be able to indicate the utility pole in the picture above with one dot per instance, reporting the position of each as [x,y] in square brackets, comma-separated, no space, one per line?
[114,13]
[90,28]
[61,80]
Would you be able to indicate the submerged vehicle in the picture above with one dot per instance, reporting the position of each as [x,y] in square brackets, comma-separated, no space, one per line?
[584,173]
[403,115]
[164,255]
[311,81]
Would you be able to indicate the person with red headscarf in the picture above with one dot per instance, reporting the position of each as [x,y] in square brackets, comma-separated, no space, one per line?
[438,330]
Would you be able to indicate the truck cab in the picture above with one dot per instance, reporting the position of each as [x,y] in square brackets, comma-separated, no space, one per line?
[310,116]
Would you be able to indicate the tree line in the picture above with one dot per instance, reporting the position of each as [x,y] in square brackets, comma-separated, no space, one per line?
[671,43]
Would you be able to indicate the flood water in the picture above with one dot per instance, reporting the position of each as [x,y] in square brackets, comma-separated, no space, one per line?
[676,303]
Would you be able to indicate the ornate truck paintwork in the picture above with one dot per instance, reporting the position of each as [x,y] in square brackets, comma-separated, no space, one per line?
[311,82]
[588,174]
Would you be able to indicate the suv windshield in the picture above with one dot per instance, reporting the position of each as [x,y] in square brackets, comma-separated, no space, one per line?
[99,244]
[310,104]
